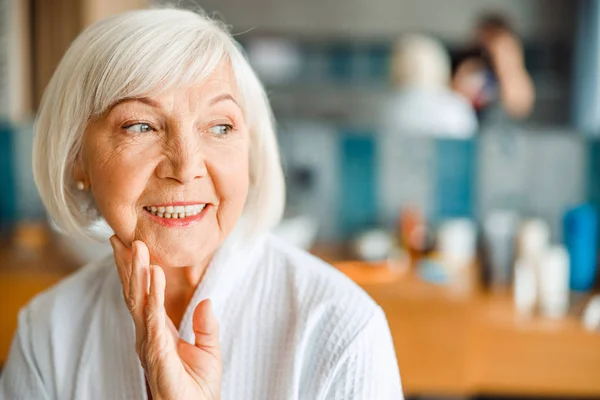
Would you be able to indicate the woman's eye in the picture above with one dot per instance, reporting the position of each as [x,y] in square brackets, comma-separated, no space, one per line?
[221,129]
[138,128]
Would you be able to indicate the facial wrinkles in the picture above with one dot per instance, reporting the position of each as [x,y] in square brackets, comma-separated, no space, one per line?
[128,171]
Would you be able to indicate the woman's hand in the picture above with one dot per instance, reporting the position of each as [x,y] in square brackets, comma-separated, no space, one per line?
[174,368]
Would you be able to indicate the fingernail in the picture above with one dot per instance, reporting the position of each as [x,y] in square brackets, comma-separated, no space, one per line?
[210,307]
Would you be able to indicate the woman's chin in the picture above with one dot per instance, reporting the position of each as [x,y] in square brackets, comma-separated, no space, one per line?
[182,255]
[179,248]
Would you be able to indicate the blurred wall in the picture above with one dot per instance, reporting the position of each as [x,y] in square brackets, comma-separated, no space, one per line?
[55,24]
[94,10]
[450,19]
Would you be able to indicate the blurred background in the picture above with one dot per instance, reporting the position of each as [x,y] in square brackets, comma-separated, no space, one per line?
[445,154]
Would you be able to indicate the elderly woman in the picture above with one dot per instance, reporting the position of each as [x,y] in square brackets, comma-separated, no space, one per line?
[155,123]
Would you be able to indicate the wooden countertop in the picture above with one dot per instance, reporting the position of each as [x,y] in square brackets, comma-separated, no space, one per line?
[462,341]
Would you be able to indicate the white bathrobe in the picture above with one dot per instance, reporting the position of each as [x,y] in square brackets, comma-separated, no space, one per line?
[291,327]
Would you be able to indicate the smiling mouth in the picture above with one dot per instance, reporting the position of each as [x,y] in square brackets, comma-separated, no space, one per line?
[176,212]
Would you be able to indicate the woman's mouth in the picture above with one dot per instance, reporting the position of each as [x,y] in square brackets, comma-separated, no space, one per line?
[176,211]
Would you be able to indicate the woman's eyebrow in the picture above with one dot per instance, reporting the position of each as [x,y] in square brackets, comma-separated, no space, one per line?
[149,101]
[145,100]
[223,97]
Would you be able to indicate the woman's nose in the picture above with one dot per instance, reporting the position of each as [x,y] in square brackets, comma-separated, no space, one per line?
[184,160]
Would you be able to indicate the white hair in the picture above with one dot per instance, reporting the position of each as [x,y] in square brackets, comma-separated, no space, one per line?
[420,60]
[135,54]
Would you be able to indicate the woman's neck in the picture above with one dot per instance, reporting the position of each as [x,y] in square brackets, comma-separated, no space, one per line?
[181,285]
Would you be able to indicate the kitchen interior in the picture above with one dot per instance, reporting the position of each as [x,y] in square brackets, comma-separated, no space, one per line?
[480,246]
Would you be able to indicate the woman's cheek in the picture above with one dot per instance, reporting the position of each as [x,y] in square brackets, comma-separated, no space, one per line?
[232,172]
[118,183]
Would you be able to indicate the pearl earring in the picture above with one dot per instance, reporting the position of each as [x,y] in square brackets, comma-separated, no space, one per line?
[80,186]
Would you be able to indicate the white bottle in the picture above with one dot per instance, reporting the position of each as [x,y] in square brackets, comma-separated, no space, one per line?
[457,242]
[525,286]
[553,278]
[534,239]
[591,315]
[532,244]
[499,230]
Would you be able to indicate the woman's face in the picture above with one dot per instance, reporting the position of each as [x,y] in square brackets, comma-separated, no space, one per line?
[171,170]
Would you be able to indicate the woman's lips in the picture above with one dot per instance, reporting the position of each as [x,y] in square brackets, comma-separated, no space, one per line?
[177,215]
[176,210]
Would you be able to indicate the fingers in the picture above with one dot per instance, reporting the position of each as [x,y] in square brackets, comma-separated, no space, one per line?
[172,329]
[206,327]
[138,289]
[159,348]
[122,256]
[156,320]
[144,293]
[139,278]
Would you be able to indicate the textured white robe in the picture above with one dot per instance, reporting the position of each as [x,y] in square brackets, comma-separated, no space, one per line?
[291,326]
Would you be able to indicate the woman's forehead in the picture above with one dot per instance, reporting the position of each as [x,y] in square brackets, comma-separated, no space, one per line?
[191,96]
[220,86]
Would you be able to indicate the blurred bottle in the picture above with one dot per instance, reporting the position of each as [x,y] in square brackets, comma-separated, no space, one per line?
[534,239]
[591,315]
[554,282]
[413,233]
[499,232]
[529,281]
[580,226]
[525,287]
[456,241]
[373,245]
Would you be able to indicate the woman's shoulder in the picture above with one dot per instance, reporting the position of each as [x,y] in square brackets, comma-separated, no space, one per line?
[71,299]
[305,268]
[317,288]
[329,313]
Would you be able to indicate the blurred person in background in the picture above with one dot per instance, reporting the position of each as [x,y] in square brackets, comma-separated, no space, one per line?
[155,122]
[424,104]
[493,72]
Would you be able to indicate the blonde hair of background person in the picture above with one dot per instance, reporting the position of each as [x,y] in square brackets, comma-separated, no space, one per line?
[424,104]
[149,111]
[420,60]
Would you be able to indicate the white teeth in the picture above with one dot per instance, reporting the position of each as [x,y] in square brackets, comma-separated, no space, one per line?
[176,211]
